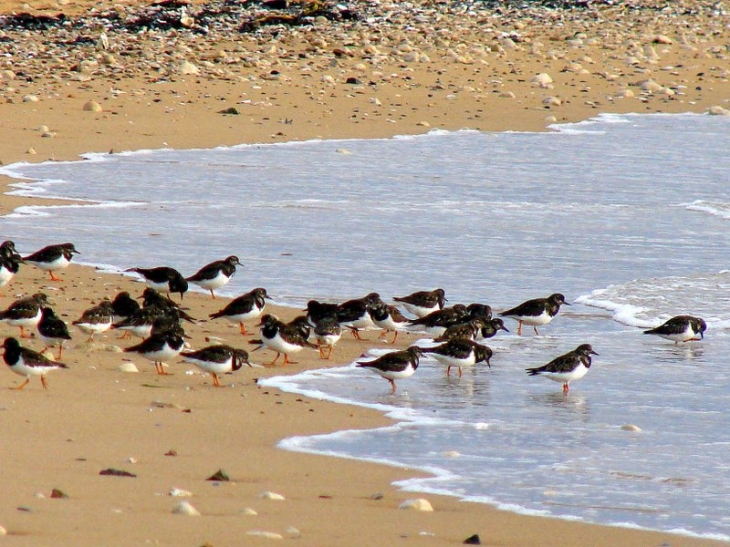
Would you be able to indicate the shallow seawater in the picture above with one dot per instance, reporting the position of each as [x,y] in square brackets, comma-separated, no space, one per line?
[625,215]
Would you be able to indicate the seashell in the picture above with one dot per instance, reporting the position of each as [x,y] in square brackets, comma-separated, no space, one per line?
[264,534]
[271,496]
[649,85]
[128,367]
[179,493]
[184,508]
[662,39]
[30,98]
[249,512]
[92,106]
[624,94]
[418,504]
[551,101]
[631,427]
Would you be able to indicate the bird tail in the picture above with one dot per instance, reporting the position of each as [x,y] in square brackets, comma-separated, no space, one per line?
[533,371]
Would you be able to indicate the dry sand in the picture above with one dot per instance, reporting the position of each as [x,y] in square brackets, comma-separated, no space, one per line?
[433,66]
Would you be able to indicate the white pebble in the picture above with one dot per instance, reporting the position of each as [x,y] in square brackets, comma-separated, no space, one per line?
[271,496]
[127,367]
[552,101]
[186,67]
[3,531]
[249,512]
[718,111]
[541,79]
[264,534]
[184,508]
[92,106]
[631,427]
[180,493]
[343,151]
[418,504]
[293,532]
[451,454]
[30,99]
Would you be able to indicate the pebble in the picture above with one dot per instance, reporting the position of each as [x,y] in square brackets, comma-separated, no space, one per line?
[551,101]
[649,85]
[92,106]
[179,493]
[418,504]
[271,496]
[127,367]
[3,531]
[30,98]
[185,508]
[264,534]
[249,512]
[541,79]
[186,68]
[631,427]
[293,532]
[718,111]
[451,454]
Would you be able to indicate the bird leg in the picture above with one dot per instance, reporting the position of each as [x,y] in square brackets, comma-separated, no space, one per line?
[274,361]
[43,382]
[448,370]
[519,328]
[242,328]
[392,385]
[60,352]
[566,389]
[459,372]
[53,277]
[21,386]
[287,361]
[216,383]
[160,369]
[355,333]
[535,329]
[394,337]
[212,294]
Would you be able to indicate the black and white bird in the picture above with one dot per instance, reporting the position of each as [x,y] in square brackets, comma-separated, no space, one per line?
[152,298]
[436,322]
[681,328]
[282,338]
[27,363]
[536,312]
[10,262]
[52,331]
[52,258]
[163,279]
[216,274]
[355,315]
[395,365]
[459,353]
[216,360]
[96,319]
[327,332]
[246,307]
[317,311]
[567,368]
[159,347]
[390,319]
[124,306]
[421,303]
[140,322]
[25,313]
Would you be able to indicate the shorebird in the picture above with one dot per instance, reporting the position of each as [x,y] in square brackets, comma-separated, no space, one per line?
[354,314]
[282,338]
[459,353]
[216,274]
[25,313]
[395,365]
[246,307]
[681,328]
[27,363]
[159,347]
[421,303]
[96,319]
[52,258]
[10,262]
[163,279]
[327,332]
[566,368]
[536,312]
[52,331]
[390,319]
[124,306]
[217,359]
[436,322]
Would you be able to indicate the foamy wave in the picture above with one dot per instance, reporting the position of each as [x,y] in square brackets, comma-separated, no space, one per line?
[714,208]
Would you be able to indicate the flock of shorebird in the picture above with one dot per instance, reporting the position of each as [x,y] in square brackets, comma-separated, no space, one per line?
[456,330]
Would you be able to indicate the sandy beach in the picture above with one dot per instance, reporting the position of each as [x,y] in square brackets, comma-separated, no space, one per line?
[93,82]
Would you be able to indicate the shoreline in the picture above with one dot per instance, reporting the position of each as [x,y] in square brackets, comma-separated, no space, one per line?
[118,418]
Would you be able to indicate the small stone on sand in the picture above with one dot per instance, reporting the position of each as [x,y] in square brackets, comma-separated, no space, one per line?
[271,496]
[264,534]
[631,427]
[92,106]
[127,367]
[418,504]
[184,508]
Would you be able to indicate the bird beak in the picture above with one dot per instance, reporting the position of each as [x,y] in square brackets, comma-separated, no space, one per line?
[593,352]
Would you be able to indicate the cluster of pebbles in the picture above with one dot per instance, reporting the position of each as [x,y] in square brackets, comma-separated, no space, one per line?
[634,45]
